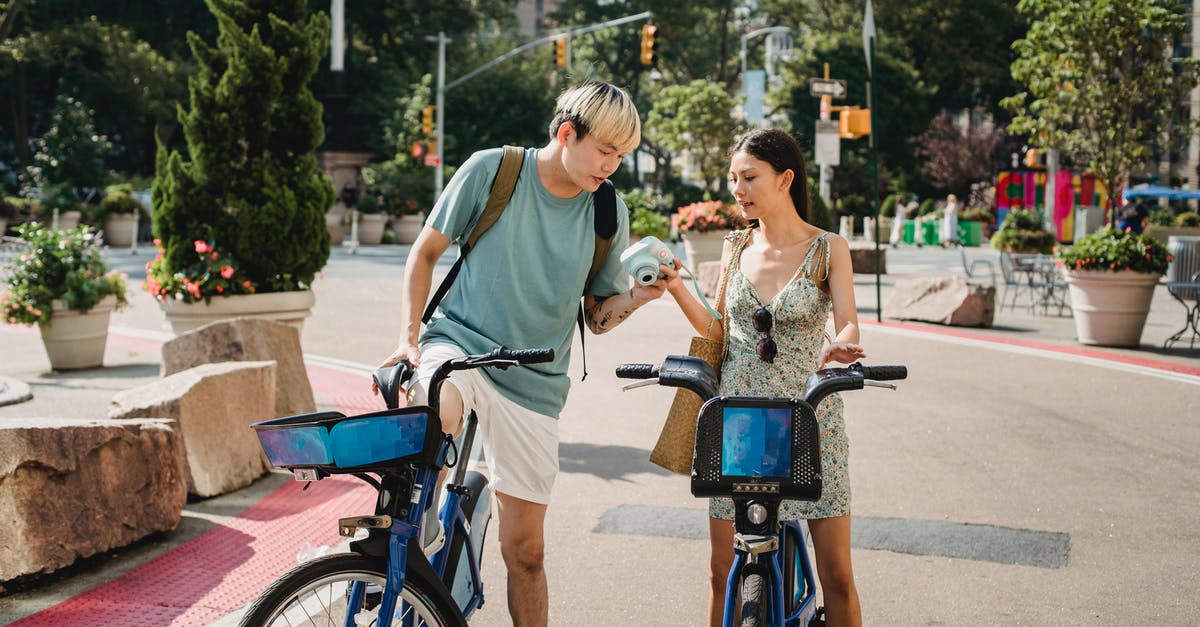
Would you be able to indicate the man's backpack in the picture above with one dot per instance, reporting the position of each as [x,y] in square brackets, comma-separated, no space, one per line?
[605,223]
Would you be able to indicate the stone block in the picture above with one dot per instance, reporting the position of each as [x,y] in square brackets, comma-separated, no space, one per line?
[72,488]
[862,258]
[248,339]
[213,406]
[949,299]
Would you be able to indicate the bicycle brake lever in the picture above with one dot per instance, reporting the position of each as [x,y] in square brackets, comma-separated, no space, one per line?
[638,384]
[879,384]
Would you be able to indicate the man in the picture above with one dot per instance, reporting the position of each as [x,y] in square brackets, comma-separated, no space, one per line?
[520,288]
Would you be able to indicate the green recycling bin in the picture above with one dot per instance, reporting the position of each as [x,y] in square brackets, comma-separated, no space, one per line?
[929,233]
[970,233]
[907,232]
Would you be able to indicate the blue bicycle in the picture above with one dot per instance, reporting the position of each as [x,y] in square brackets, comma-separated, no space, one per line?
[758,452]
[400,452]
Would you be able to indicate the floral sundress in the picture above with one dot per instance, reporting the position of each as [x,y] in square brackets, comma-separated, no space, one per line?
[800,311]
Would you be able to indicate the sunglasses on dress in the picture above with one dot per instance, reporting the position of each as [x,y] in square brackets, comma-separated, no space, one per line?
[766,348]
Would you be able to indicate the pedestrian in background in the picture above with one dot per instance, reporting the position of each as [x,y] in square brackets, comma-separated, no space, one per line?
[949,228]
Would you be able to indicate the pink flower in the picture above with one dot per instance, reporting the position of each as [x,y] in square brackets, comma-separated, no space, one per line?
[227,272]
[201,246]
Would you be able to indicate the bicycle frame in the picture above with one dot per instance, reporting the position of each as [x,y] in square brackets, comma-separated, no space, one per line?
[803,603]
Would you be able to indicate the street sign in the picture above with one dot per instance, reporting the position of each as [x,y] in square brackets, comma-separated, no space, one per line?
[832,87]
[828,146]
[433,160]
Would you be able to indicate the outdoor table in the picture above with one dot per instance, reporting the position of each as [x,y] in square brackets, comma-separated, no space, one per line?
[1043,278]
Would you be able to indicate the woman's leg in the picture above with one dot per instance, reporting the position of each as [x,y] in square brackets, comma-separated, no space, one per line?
[720,537]
[831,541]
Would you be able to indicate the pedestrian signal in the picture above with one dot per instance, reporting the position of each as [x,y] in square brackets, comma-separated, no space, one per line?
[854,123]
[560,52]
[649,44]
[419,150]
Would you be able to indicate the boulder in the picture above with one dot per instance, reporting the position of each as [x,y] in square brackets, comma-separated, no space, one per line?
[862,258]
[248,339]
[950,300]
[213,406]
[72,488]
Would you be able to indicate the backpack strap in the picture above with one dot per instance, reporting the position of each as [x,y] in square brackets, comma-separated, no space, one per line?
[604,203]
[502,191]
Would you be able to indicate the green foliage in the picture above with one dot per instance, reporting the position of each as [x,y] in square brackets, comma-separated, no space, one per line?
[67,266]
[697,117]
[887,209]
[1097,86]
[927,207]
[819,214]
[1113,250]
[647,222]
[1022,232]
[978,214]
[1162,216]
[1187,218]
[250,180]
[70,153]
[209,273]
[115,202]
[405,186]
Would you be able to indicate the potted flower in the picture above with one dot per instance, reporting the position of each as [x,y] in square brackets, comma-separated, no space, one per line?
[1111,275]
[703,226]
[117,214]
[62,284]
[371,219]
[1022,232]
[408,219]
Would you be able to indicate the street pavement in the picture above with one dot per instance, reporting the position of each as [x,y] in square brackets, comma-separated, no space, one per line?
[1016,477]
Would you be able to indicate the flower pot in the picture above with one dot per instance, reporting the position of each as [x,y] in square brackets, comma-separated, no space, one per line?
[970,233]
[407,227]
[68,220]
[118,229]
[1110,308]
[287,307]
[702,247]
[335,224]
[75,339]
[370,228]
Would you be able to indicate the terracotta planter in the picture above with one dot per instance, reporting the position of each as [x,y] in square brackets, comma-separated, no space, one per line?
[287,307]
[118,229]
[702,247]
[68,220]
[1110,308]
[406,228]
[76,340]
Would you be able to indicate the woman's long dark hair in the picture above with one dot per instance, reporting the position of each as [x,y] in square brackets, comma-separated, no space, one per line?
[782,152]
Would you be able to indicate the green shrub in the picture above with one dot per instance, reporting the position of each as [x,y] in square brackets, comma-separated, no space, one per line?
[1022,232]
[115,202]
[978,214]
[819,214]
[1113,250]
[647,222]
[67,266]
[927,207]
[1163,216]
[888,208]
[1187,218]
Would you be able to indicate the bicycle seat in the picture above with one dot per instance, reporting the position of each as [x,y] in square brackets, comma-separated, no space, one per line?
[390,379]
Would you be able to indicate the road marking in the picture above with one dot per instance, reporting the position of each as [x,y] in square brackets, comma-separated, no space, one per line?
[935,538]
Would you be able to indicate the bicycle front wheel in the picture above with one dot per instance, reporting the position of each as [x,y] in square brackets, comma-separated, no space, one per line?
[318,592]
[754,601]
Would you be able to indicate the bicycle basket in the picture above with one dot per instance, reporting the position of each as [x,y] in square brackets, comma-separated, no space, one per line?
[757,446]
[337,443]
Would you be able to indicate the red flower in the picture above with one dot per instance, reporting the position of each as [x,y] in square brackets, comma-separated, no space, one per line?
[227,272]
[201,246]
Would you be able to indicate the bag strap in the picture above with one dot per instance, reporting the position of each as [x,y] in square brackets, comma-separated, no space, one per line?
[604,204]
[739,243]
[501,192]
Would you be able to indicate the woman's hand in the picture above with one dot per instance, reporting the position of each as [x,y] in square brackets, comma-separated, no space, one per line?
[842,352]
[669,281]
[403,352]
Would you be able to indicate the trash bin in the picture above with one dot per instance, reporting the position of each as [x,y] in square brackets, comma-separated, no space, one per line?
[929,233]
[908,232]
[970,233]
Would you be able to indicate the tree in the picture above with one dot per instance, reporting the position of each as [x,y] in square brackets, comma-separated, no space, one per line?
[955,158]
[697,117]
[1101,81]
[250,183]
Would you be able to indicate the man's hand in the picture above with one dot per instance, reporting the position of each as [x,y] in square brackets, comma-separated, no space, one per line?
[404,351]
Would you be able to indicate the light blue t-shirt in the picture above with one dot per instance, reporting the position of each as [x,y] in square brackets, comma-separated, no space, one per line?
[521,284]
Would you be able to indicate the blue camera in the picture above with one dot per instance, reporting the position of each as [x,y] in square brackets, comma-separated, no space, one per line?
[642,260]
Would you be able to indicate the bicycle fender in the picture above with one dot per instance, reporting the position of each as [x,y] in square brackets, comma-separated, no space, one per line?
[418,563]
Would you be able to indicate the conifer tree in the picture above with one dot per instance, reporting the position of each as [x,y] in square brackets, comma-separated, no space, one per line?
[250,183]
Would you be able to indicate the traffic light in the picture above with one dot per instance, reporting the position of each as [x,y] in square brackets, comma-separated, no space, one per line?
[427,120]
[1031,158]
[419,150]
[560,52]
[854,123]
[649,44]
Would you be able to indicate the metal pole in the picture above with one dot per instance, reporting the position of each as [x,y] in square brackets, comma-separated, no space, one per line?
[875,180]
[441,116]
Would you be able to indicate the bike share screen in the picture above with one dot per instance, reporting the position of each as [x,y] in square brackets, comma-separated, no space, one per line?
[756,442]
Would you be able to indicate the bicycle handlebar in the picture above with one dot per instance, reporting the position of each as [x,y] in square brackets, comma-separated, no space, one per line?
[389,379]
[885,373]
[637,371]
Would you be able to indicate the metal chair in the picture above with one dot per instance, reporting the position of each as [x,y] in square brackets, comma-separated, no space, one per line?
[1013,284]
[986,269]
[1183,283]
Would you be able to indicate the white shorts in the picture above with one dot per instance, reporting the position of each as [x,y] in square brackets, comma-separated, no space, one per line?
[520,445]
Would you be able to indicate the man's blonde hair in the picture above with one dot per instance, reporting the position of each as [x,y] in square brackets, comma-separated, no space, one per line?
[601,109]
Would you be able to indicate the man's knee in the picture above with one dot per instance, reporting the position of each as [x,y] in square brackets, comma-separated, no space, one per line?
[524,554]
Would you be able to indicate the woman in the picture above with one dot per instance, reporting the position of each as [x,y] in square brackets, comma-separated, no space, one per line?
[785,275]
